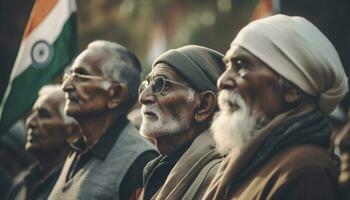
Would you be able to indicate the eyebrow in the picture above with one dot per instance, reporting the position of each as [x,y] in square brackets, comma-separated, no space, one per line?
[81,70]
[150,77]
[244,57]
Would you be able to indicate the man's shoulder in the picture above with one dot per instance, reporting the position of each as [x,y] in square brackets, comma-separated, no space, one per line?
[131,138]
[290,170]
[303,156]
[130,145]
[21,181]
[298,162]
[297,169]
[44,187]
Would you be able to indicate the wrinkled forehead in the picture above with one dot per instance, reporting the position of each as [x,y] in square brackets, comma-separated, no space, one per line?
[52,102]
[90,55]
[236,51]
[92,60]
[165,70]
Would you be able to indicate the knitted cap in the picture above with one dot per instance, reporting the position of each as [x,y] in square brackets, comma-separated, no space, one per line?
[200,66]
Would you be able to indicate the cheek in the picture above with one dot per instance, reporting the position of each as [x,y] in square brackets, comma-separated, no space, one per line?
[89,93]
[54,134]
[259,92]
[176,105]
[248,90]
[267,99]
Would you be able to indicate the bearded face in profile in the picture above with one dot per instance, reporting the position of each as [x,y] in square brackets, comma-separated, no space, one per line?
[251,93]
[235,123]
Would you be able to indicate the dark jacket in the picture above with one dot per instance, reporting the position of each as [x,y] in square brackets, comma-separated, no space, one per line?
[33,185]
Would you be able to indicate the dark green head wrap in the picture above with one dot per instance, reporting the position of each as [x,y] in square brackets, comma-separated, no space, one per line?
[200,66]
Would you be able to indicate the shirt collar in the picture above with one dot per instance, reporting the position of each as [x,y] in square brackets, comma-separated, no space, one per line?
[175,156]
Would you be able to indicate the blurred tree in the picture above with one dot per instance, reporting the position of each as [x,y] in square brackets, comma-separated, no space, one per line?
[151,27]
[13,18]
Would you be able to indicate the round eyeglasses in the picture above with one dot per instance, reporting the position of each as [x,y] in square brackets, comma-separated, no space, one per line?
[78,78]
[158,84]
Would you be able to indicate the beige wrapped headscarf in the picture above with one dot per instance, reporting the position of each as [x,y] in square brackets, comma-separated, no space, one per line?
[298,51]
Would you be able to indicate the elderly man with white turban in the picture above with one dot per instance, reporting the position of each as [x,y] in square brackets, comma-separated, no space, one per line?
[282,78]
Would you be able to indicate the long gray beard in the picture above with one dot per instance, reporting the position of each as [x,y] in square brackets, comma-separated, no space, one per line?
[233,128]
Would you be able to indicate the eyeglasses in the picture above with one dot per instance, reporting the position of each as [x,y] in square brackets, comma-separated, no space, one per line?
[78,78]
[158,85]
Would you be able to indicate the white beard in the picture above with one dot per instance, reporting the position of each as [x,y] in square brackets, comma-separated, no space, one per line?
[164,125]
[232,128]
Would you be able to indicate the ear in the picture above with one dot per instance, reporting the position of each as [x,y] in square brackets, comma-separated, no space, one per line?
[206,106]
[292,96]
[116,94]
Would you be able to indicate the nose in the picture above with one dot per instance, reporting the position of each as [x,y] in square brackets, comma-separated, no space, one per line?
[227,80]
[146,96]
[67,85]
[32,121]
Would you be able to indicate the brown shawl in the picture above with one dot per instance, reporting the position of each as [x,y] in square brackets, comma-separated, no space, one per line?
[269,139]
[186,171]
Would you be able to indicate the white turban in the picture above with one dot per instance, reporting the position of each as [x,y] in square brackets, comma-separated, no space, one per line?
[298,51]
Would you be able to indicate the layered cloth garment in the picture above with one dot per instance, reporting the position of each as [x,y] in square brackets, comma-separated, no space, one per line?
[185,174]
[286,159]
[189,176]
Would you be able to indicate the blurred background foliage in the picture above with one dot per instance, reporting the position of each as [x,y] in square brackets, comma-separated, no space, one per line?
[150,27]
[147,27]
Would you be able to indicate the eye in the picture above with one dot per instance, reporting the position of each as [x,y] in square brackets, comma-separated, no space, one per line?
[239,63]
[80,71]
[80,74]
[80,77]
[158,84]
[43,113]
[241,67]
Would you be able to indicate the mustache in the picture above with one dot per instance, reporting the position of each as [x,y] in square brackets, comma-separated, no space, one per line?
[32,134]
[71,96]
[230,100]
[150,109]
[234,102]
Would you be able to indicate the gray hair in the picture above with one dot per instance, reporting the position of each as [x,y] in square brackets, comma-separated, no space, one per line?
[120,65]
[190,96]
[55,91]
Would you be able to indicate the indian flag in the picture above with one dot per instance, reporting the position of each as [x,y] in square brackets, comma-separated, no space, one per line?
[49,44]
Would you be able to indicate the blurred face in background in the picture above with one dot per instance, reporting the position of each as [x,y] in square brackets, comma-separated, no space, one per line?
[46,129]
